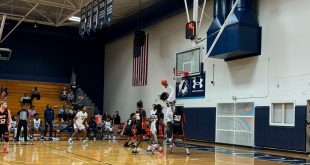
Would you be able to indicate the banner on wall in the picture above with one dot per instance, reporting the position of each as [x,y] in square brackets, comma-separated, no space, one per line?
[191,87]
[89,17]
[101,13]
[109,4]
[83,21]
[95,15]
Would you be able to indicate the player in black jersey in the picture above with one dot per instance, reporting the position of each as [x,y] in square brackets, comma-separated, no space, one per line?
[160,125]
[128,130]
[141,128]
[178,126]
[5,124]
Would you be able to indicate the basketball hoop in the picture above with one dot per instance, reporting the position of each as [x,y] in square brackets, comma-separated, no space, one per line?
[180,74]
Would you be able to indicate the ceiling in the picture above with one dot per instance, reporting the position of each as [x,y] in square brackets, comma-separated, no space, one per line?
[57,12]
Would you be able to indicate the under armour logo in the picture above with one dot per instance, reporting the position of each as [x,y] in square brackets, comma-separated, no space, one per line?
[197,83]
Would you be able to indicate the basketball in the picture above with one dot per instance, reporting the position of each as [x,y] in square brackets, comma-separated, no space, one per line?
[164,83]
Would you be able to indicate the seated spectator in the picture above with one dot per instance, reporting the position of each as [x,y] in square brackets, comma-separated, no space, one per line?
[108,128]
[36,126]
[14,125]
[26,99]
[4,93]
[31,112]
[64,94]
[35,93]
[71,114]
[62,115]
[92,127]
[67,126]
[70,97]
[116,122]
[106,115]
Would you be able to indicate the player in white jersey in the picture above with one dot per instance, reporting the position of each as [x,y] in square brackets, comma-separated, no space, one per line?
[153,119]
[169,98]
[36,126]
[79,119]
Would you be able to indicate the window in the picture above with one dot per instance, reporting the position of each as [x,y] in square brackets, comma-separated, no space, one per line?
[282,114]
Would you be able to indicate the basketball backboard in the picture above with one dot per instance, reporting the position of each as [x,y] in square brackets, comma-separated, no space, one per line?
[189,61]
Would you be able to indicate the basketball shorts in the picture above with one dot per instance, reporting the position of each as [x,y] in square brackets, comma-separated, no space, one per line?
[78,126]
[178,130]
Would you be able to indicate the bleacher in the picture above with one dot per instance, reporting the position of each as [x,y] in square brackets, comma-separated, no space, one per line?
[49,94]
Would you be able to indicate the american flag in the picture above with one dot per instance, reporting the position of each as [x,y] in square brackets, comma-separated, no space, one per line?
[140,64]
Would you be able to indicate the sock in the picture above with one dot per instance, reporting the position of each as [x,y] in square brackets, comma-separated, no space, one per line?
[149,147]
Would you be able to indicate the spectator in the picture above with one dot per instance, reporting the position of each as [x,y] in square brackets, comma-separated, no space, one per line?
[71,114]
[49,119]
[64,94]
[116,118]
[14,125]
[31,112]
[22,122]
[74,88]
[4,93]
[106,115]
[70,97]
[92,127]
[108,128]
[62,115]
[26,99]
[79,103]
[68,127]
[116,122]
[36,126]
[35,93]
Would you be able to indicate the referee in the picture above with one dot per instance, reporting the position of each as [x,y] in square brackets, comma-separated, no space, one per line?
[23,116]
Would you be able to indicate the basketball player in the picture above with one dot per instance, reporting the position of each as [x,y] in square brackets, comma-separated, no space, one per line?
[160,128]
[141,128]
[128,130]
[153,119]
[5,124]
[78,121]
[169,99]
[178,126]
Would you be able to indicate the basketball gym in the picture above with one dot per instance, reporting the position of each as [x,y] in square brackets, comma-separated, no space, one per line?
[86,81]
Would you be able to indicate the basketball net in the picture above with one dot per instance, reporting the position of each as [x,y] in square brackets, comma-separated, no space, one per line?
[179,75]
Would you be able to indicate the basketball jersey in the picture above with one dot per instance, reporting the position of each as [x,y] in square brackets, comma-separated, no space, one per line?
[81,117]
[36,123]
[153,114]
[4,118]
[169,115]
[178,117]
[140,116]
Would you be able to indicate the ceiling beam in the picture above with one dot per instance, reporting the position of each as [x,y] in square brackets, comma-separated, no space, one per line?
[20,21]
[6,2]
[72,14]
[42,14]
[53,4]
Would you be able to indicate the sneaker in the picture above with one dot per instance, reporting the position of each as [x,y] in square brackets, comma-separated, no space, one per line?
[50,139]
[70,142]
[17,140]
[42,138]
[161,152]
[187,151]
[149,152]
[94,139]
[134,151]
[170,149]
[5,150]
[85,141]
[126,145]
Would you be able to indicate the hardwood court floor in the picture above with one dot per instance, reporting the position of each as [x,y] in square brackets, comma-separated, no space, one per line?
[109,152]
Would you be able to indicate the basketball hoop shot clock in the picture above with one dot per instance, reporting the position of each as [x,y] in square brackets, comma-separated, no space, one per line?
[190,32]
